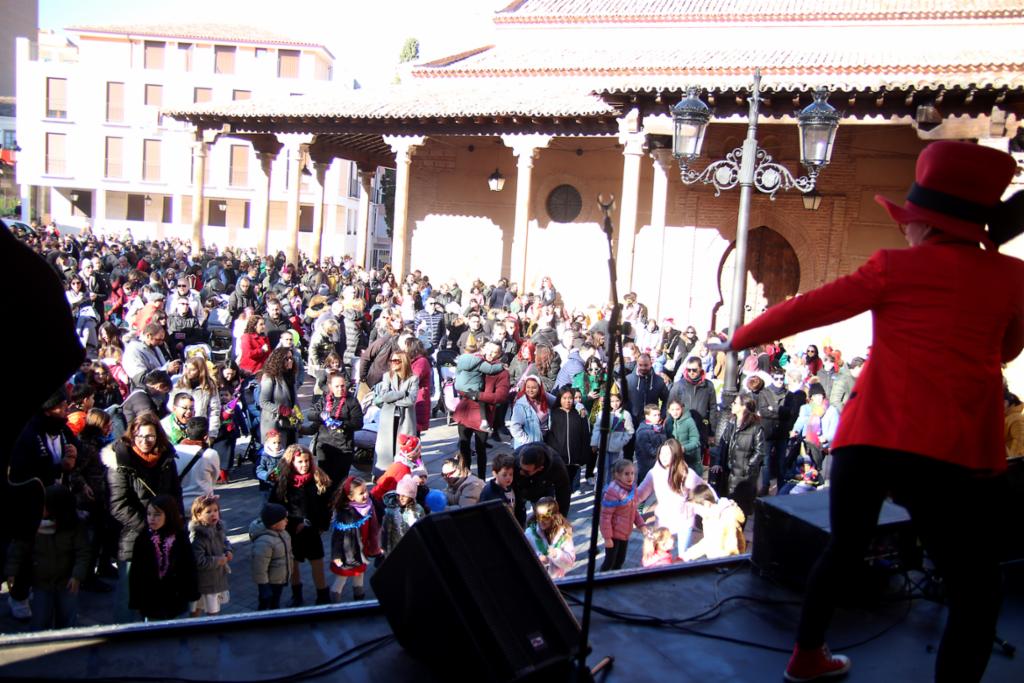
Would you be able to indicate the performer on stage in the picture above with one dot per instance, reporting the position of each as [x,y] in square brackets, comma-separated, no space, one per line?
[925,427]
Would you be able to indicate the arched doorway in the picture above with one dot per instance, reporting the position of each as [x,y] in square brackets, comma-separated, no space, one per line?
[773,275]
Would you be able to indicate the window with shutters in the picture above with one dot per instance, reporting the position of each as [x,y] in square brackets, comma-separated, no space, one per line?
[113,163]
[154,54]
[223,59]
[154,96]
[185,52]
[151,160]
[287,63]
[305,218]
[239,172]
[216,216]
[136,210]
[56,98]
[115,102]
[56,163]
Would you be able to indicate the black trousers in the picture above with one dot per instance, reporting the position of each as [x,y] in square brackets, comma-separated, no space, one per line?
[953,513]
[480,439]
[615,556]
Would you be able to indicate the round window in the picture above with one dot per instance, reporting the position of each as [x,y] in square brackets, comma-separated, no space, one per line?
[564,204]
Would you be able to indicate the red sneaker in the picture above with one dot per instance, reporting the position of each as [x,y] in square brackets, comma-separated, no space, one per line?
[222,478]
[811,665]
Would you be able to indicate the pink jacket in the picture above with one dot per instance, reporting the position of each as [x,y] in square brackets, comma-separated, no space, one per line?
[619,512]
[421,368]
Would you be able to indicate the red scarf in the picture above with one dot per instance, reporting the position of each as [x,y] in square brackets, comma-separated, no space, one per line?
[148,459]
[300,480]
[700,377]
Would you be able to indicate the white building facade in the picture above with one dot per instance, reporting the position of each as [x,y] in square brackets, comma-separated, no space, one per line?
[96,149]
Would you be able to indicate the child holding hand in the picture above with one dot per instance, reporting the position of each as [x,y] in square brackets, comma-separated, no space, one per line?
[722,523]
[619,514]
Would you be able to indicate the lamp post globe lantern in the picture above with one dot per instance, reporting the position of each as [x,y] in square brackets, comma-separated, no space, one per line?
[818,123]
[691,118]
[496,181]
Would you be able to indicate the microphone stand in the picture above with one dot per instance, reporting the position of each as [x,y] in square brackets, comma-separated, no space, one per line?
[613,350]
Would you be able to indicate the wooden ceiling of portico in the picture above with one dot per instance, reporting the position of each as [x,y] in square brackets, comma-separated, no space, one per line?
[856,104]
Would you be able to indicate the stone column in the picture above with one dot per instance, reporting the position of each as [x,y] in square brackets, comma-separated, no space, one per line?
[298,156]
[26,202]
[320,171]
[199,153]
[363,223]
[259,215]
[662,164]
[99,210]
[625,237]
[525,148]
[403,147]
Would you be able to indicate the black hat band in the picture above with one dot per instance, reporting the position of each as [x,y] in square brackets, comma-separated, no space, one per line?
[951,205]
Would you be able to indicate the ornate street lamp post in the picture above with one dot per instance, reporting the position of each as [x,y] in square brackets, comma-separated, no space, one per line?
[749,167]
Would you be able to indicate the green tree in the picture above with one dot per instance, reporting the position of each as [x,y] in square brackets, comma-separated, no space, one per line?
[387,184]
[410,51]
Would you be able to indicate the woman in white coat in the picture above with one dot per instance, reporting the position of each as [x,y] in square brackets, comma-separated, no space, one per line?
[672,481]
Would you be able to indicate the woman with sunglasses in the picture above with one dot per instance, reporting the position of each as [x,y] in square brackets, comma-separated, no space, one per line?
[395,395]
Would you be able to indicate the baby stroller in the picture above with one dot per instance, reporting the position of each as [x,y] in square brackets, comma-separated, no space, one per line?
[218,324]
[249,417]
[449,396]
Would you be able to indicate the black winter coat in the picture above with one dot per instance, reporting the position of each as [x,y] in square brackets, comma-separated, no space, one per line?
[768,404]
[645,390]
[348,545]
[132,485]
[30,457]
[167,597]
[304,503]
[740,453]
[569,435]
[553,480]
[343,437]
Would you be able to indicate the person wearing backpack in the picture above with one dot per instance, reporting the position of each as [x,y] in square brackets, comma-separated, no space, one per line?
[198,464]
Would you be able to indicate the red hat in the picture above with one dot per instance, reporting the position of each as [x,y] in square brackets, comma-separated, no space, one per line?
[957,189]
[408,444]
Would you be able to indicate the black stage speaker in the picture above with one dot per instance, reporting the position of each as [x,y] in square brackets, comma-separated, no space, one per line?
[790,532]
[465,587]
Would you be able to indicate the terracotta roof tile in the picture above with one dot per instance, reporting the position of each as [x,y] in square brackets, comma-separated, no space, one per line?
[928,65]
[685,11]
[234,33]
[418,100]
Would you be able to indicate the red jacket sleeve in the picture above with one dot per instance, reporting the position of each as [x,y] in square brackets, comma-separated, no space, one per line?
[838,300]
[498,391]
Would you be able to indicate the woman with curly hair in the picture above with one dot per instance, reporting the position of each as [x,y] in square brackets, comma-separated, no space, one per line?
[277,395]
[547,364]
[255,345]
[302,488]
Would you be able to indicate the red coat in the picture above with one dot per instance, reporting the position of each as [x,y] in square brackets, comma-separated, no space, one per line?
[421,368]
[495,391]
[255,351]
[946,314]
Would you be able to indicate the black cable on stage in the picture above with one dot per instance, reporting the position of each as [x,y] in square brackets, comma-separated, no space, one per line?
[332,665]
[679,624]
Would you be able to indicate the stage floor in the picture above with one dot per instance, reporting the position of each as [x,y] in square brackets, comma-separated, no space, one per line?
[897,638]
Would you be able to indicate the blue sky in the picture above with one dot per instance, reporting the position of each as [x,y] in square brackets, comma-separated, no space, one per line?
[365,37]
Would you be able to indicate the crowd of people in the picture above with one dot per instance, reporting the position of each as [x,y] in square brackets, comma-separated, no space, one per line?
[186,355]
